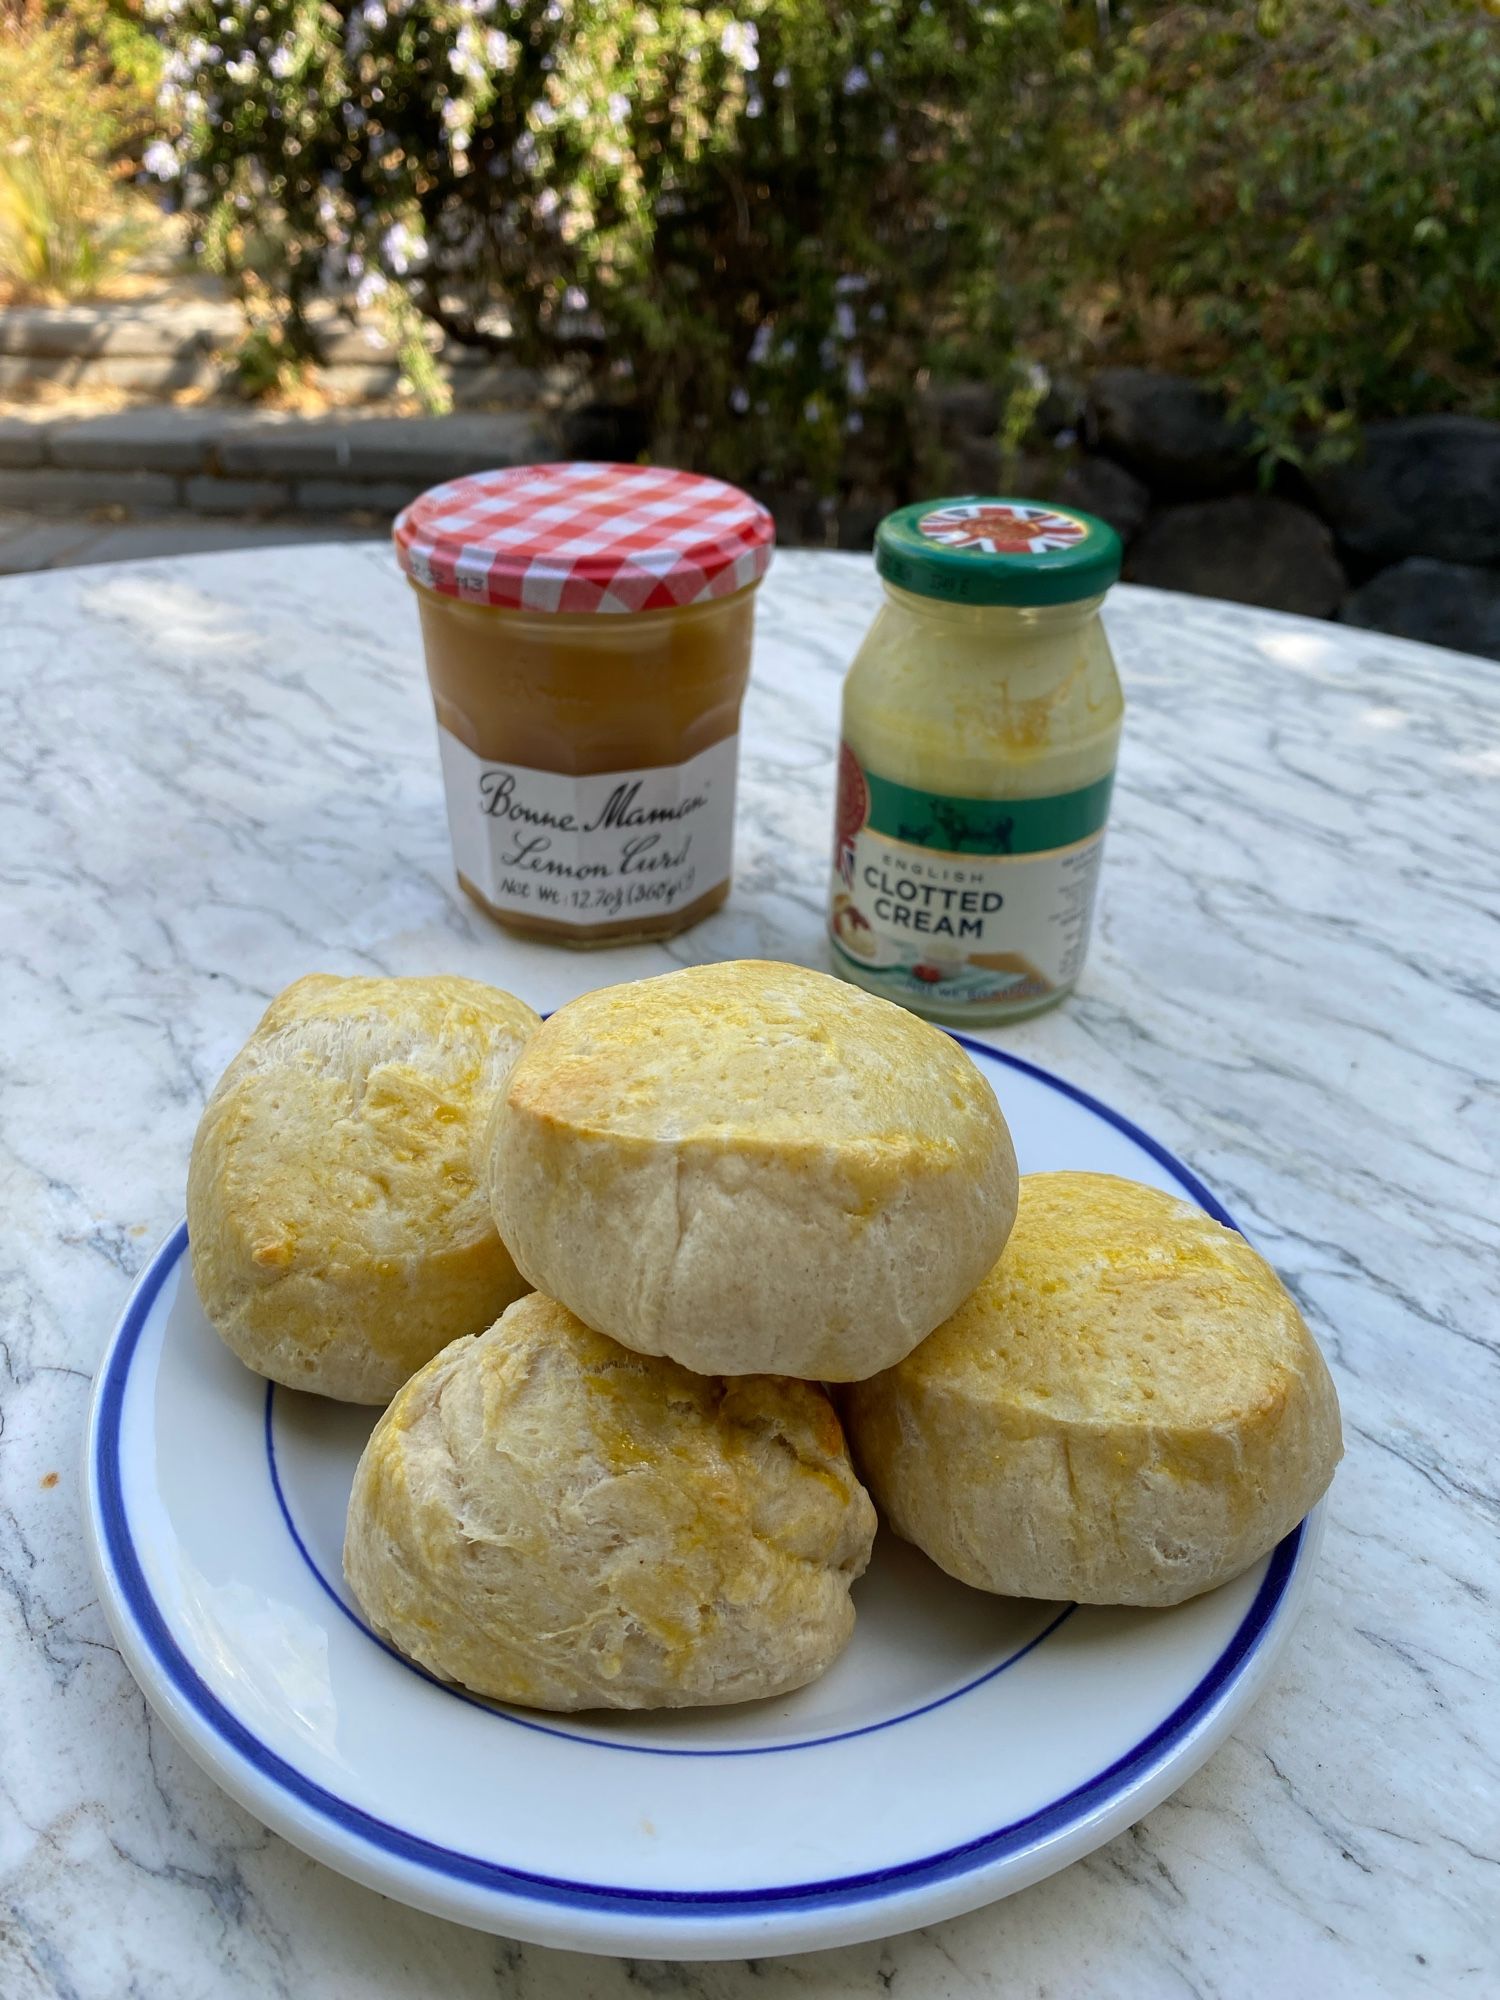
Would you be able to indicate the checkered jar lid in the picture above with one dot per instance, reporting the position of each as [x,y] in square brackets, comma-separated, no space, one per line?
[583,538]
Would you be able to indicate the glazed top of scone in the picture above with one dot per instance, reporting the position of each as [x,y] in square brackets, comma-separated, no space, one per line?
[1116,1302]
[357,1105]
[760,1057]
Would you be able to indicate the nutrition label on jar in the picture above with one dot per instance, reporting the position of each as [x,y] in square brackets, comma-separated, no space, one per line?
[964,901]
[591,849]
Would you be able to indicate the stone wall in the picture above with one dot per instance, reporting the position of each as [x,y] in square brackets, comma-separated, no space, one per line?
[182,341]
[1403,537]
[255,464]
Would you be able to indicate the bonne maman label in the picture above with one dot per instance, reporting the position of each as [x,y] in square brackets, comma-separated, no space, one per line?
[592,849]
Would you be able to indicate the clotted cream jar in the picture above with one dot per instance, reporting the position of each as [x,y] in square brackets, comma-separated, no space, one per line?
[587,631]
[981,720]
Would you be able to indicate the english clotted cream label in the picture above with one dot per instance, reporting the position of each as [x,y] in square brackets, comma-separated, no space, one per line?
[960,901]
[591,850]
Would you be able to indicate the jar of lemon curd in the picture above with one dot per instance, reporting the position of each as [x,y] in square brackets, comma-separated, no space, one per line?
[587,631]
[981,722]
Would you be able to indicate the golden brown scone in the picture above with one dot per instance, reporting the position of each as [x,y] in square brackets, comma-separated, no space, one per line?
[339,1234]
[550,1519]
[751,1168]
[1129,1410]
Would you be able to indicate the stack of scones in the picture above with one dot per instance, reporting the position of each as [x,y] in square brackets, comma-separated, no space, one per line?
[628,1279]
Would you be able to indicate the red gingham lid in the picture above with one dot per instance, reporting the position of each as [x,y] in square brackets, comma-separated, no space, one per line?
[584,538]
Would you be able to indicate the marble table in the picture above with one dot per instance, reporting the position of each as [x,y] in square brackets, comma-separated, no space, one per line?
[219,773]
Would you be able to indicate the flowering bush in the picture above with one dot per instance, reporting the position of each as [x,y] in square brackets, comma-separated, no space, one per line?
[765,217]
[762,223]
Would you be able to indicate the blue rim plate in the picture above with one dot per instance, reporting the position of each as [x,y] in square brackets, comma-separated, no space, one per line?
[963,1747]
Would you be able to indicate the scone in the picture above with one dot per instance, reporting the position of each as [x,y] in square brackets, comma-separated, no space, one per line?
[1129,1410]
[752,1168]
[550,1519]
[339,1232]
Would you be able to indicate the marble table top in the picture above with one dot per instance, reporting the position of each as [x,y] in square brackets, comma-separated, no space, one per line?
[219,773]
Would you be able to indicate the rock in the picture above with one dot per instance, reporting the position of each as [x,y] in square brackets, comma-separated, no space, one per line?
[801,518]
[613,433]
[1251,549]
[1067,479]
[858,518]
[1447,604]
[1169,431]
[963,409]
[1420,486]
[1101,487]
[1061,408]
[973,465]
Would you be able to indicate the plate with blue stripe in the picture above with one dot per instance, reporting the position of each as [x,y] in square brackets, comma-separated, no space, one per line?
[961,1748]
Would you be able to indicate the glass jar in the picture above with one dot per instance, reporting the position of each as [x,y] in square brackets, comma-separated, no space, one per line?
[587,631]
[981,722]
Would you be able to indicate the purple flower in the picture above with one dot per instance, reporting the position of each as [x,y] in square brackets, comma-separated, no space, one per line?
[740,41]
[161,160]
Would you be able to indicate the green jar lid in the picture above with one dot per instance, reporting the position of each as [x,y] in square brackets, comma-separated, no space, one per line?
[977,550]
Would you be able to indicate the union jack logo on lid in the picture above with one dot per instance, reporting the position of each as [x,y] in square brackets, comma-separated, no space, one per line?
[1001,528]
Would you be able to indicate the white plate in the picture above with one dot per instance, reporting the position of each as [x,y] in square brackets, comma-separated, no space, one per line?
[963,1747]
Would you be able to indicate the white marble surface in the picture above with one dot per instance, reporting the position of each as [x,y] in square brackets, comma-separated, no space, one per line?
[218,774]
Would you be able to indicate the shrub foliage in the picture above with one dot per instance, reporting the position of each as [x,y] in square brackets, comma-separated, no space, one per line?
[1296,199]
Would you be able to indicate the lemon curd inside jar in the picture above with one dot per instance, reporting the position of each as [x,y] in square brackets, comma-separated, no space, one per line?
[981,723]
[588,633]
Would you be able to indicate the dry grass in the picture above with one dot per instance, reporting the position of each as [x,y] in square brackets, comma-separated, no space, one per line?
[71,226]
